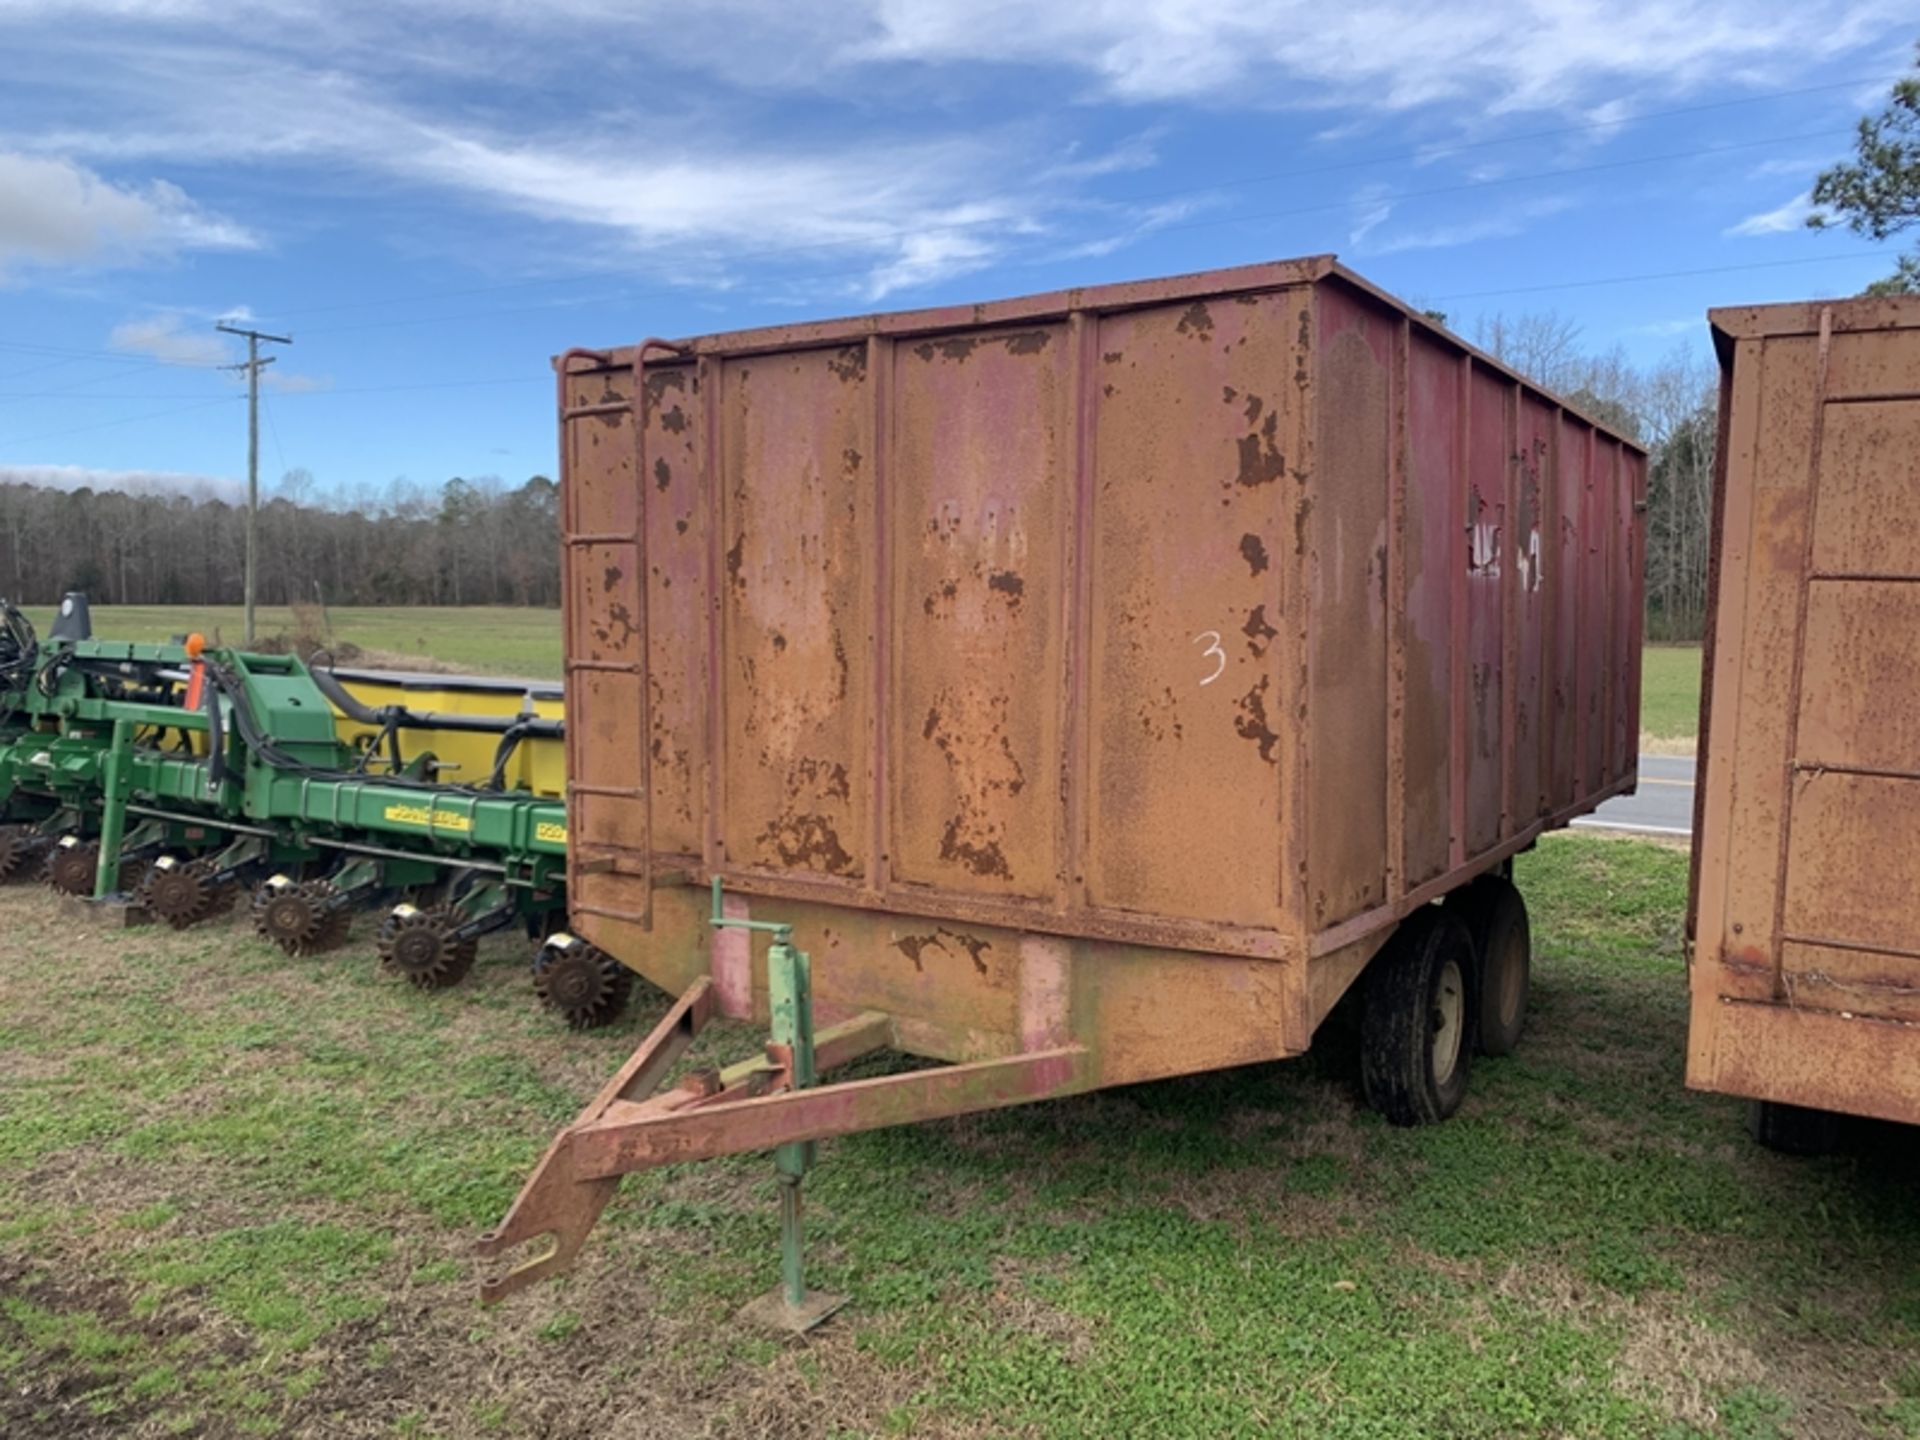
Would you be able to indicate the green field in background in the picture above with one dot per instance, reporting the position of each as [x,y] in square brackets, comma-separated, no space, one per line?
[490,640]
[1670,691]
[519,642]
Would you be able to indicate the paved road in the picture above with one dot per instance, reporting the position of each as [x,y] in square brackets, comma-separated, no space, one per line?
[1664,805]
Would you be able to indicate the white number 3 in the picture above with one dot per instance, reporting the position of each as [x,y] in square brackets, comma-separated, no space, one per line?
[1212,652]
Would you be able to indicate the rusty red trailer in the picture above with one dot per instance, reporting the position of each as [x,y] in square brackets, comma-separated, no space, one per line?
[1805,914]
[1095,682]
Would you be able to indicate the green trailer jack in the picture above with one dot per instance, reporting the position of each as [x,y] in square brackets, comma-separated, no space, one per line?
[792,1308]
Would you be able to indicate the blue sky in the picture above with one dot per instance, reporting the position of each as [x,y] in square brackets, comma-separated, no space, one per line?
[434,197]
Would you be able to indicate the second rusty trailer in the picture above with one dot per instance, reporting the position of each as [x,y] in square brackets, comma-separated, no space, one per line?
[1097,684]
[1805,908]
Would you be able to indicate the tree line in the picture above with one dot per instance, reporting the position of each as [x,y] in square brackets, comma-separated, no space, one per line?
[470,542]
[1673,409]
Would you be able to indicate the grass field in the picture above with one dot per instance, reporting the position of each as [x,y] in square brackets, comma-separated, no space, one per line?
[1669,698]
[526,643]
[236,1195]
[488,640]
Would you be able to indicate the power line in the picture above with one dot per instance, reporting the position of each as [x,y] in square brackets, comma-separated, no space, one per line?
[123,420]
[1417,153]
[541,379]
[103,354]
[273,429]
[1664,275]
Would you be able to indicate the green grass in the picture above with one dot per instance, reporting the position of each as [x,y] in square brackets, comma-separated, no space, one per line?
[491,640]
[1670,692]
[237,1191]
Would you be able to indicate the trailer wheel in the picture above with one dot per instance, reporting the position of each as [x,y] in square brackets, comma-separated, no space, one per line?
[1416,1037]
[1792,1129]
[1496,916]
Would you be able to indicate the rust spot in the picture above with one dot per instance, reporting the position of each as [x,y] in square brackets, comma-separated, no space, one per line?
[949,590]
[1251,722]
[1258,631]
[1301,514]
[674,421]
[1031,342]
[850,363]
[968,728]
[680,525]
[779,641]
[1254,406]
[1196,322]
[1261,462]
[1008,584]
[1106,390]
[851,459]
[612,576]
[961,348]
[1254,552]
[806,842]
[734,558]
[915,946]
[822,777]
[1152,723]
[1112,357]
[619,615]
[1228,394]
[662,474]
[983,859]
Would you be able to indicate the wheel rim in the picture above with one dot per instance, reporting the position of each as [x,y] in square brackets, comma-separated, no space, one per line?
[1449,1010]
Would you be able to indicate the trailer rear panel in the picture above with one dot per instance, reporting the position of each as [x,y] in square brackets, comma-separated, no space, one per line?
[1806,906]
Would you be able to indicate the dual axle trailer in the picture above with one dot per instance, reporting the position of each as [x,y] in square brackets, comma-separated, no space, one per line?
[1076,690]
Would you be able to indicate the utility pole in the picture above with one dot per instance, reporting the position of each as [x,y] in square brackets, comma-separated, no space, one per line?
[253,365]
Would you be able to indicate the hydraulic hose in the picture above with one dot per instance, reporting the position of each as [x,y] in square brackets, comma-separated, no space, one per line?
[538,726]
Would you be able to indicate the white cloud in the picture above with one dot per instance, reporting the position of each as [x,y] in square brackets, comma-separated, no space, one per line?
[164,337]
[1371,208]
[1781,219]
[56,212]
[906,211]
[294,383]
[1796,167]
[1505,54]
[1680,325]
[915,191]
[1493,226]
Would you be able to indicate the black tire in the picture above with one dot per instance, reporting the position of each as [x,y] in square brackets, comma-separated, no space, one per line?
[1416,1037]
[1793,1129]
[1496,916]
